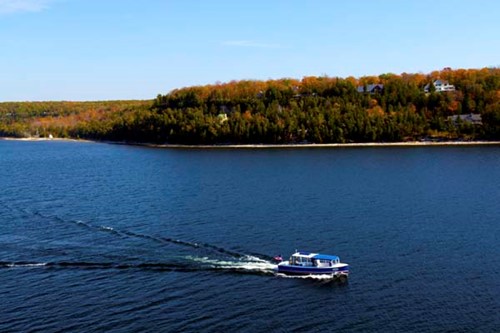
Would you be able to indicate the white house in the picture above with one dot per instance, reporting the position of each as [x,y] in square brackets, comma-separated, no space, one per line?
[440,86]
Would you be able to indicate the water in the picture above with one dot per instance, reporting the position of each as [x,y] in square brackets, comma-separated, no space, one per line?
[97,237]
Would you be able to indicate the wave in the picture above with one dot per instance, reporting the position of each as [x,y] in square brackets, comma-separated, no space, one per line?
[157,239]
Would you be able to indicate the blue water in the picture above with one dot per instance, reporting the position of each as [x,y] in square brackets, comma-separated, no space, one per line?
[98,237]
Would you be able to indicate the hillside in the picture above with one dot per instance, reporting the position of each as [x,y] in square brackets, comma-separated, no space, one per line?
[442,105]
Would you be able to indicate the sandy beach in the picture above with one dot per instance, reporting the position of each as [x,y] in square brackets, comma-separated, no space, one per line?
[44,139]
[276,146]
[329,145]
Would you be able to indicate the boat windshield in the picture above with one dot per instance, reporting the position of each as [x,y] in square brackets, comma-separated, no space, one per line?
[301,261]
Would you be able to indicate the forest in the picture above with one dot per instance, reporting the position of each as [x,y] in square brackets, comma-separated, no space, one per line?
[384,108]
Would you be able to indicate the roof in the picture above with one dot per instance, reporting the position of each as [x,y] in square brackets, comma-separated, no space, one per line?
[439,81]
[316,255]
[304,254]
[370,87]
[474,118]
[325,257]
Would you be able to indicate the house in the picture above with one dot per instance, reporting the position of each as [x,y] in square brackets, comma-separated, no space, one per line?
[472,118]
[371,88]
[440,86]
[225,109]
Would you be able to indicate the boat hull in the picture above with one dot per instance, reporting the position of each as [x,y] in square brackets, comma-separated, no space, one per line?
[308,270]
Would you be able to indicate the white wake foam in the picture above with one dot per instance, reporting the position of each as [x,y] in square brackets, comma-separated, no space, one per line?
[254,264]
[255,259]
[14,265]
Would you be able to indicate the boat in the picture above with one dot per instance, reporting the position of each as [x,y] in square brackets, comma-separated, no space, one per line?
[309,263]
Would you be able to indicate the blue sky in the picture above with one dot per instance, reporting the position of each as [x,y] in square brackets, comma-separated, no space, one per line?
[129,49]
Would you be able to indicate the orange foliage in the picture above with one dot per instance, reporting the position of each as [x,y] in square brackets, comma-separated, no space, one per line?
[375,111]
[247,115]
[453,106]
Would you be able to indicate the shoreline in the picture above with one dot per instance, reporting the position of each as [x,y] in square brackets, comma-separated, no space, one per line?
[7,138]
[323,145]
[274,146]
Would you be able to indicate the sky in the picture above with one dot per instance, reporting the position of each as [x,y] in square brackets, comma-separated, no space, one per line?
[129,49]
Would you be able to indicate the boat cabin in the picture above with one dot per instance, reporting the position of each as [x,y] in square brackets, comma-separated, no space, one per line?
[313,259]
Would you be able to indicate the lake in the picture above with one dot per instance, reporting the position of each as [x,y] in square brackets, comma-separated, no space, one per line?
[99,237]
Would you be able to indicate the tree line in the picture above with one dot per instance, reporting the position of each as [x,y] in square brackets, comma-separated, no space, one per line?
[311,110]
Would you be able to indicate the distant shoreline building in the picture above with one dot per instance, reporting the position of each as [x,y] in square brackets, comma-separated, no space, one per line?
[371,88]
[472,118]
[440,86]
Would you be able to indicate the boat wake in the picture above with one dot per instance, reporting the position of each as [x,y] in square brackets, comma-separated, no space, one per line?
[4,264]
[209,257]
[95,265]
[248,264]
[190,264]
[213,258]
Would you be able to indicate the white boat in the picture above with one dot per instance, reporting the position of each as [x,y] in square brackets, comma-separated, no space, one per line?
[308,263]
